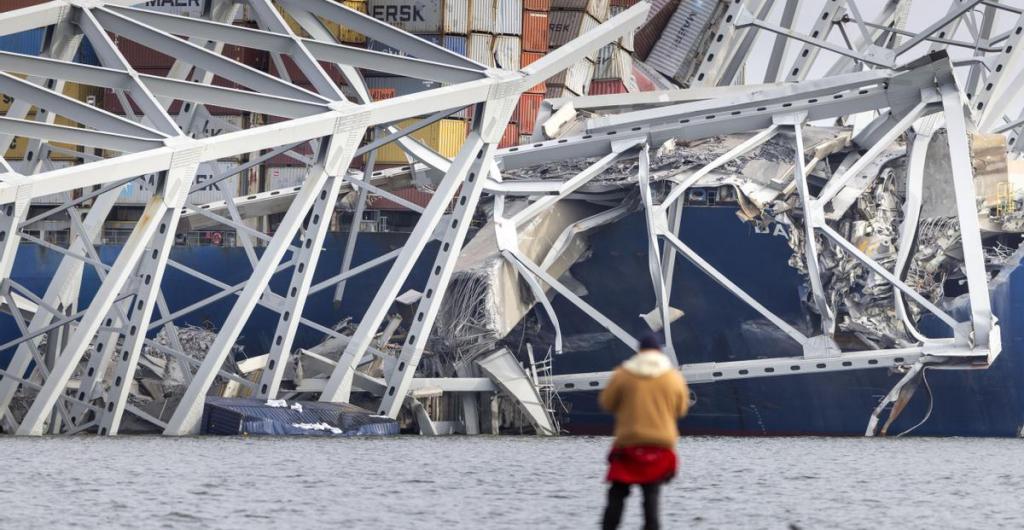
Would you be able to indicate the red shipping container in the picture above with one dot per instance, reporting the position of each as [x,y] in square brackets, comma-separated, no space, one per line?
[624,3]
[606,86]
[411,194]
[526,111]
[527,58]
[537,5]
[535,31]
[511,136]
[141,57]
[11,5]
[648,35]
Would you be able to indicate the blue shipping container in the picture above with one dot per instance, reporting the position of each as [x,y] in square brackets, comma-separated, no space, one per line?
[87,54]
[26,42]
[456,43]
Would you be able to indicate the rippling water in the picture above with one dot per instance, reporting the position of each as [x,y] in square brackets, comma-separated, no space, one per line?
[507,482]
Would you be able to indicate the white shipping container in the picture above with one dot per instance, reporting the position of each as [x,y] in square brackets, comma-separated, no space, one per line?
[576,78]
[508,51]
[480,48]
[188,8]
[456,17]
[626,41]
[612,63]
[183,8]
[482,15]
[675,50]
[209,170]
[53,198]
[414,16]
[286,177]
[217,125]
[509,17]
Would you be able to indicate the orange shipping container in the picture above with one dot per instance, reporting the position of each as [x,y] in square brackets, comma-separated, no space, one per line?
[377,94]
[529,106]
[511,136]
[529,57]
[537,5]
[535,31]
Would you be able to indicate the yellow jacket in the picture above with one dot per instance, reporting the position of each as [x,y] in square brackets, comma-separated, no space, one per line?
[647,395]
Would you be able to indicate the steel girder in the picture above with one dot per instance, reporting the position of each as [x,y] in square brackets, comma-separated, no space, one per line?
[158,143]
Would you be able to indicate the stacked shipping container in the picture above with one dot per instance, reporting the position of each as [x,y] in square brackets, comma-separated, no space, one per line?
[613,66]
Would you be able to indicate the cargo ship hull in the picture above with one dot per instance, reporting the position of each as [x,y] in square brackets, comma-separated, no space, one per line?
[716,327]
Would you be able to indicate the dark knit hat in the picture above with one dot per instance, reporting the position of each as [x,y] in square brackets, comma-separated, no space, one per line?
[650,342]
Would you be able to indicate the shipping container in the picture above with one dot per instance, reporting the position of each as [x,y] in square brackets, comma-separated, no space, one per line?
[511,136]
[456,43]
[626,41]
[507,52]
[524,138]
[402,86]
[575,78]
[481,46]
[18,148]
[182,8]
[348,35]
[11,5]
[141,57]
[456,17]
[279,177]
[209,170]
[613,63]
[414,16]
[87,94]
[482,16]
[378,94]
[537,5]
[86,54]
[416,196]
[526,112]
[600,87]
[675,53]
[564,26]
[535,31]
[509,17]
[378,46]
[26,42]
[525,60]
[648,34]
[595,8]
[139,191]
[444,136]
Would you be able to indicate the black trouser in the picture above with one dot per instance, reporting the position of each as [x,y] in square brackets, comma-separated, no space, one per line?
[617,494]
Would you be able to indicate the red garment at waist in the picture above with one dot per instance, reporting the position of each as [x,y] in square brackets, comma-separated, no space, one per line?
[641,465]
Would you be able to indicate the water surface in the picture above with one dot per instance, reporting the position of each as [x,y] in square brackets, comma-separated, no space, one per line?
[502,482]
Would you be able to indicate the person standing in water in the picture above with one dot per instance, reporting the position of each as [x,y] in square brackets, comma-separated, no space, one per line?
[647,394]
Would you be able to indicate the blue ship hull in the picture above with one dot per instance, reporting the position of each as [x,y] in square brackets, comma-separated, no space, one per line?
[716,326]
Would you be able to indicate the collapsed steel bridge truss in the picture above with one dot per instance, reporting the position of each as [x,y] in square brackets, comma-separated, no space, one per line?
[881,83]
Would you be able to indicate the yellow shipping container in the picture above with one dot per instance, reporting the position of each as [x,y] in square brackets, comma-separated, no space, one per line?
[292,23]
[340,32]
[444,136]
[347,35]
[88,94]
[19,145]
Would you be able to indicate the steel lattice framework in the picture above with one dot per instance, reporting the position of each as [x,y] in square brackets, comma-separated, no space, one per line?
[895,83]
